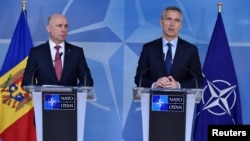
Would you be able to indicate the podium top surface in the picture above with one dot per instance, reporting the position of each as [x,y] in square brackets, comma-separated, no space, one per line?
[56,88]
[147,90]
[32,88]
[138,91]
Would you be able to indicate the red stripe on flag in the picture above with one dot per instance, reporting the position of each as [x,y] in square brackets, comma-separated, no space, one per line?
[22,130]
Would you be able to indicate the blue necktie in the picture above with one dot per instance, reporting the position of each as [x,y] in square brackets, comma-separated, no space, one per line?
[168,60]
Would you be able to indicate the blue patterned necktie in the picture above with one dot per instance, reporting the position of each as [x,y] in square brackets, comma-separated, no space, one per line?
[168,60]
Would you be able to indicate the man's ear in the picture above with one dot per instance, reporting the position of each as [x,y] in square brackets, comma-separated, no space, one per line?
[161,23]
[48,28]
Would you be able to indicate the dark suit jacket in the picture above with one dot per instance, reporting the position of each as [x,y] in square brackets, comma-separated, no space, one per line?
[40,67]
[186,66]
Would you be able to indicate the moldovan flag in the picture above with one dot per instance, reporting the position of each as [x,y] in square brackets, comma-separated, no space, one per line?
[220,104]
[17,121]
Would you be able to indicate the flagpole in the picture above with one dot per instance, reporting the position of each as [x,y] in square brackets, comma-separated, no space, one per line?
[24,5]
[219,7]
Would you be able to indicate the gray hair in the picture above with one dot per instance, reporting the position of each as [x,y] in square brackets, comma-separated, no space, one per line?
[175,8]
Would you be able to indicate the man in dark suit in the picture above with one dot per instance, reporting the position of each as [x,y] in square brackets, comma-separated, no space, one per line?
[185,67]
[40,68]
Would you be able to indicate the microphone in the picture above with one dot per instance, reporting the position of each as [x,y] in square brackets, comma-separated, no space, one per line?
[42,65]
[84,78]
[197,91]
[60,55]
[149,68]
[187,69]
[137,90]
[192,73]
[196,81]
[143,72]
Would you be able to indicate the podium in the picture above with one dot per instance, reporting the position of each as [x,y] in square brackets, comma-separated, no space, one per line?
[60,111]
[167,114]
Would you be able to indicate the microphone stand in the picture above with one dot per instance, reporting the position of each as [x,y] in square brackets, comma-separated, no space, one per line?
[32,87]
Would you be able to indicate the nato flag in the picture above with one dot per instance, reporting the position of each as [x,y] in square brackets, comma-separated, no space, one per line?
[220,103]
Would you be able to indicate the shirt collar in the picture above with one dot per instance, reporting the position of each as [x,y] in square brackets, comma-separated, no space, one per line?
[173,42]
[52,44]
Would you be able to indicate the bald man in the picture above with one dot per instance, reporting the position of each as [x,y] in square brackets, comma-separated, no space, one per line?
[40,68]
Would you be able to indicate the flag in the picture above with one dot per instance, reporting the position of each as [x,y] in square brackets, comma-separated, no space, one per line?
[17,121]
[220,103]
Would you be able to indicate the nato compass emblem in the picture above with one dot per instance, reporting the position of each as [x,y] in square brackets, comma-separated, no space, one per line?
[51,102]
[159,103]
[219,97]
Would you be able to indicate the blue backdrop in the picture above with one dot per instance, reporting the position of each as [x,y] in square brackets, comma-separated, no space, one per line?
[112,32]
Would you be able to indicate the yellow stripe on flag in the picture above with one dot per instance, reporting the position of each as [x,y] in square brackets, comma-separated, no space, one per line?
[13,71]
[15,102]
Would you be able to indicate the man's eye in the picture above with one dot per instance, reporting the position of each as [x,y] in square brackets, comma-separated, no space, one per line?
[169,19]
[177,20]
